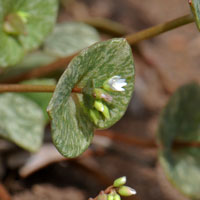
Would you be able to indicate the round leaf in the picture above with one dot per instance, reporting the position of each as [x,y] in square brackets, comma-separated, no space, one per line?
[21,121]
[68,38]
[41,19]
[195,7]
[41,16]
[72,128]
[180,122]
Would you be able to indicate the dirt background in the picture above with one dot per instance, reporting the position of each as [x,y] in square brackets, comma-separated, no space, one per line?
[167,61]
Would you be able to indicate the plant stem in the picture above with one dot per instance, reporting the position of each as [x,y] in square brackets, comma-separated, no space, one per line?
[132,39]
[102,24]
[106,26]
[158,29]
[106,191]
[31,88]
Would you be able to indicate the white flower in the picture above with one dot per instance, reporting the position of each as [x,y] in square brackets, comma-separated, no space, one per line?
[116,83]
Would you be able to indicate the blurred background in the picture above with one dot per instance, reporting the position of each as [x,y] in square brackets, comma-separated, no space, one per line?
[162,65]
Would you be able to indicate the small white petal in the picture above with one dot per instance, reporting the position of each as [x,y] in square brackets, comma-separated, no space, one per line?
[122,84]
[133,191]
[121,80]
[121,89]
[117,87]
[116,83]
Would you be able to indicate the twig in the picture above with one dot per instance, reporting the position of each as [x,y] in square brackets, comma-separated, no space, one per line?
[102,24]
[106,191]
[31,88]
[181,144]
[161,28]
[107,26]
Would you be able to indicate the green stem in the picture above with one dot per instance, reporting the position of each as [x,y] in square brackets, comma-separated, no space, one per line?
[31,88]
[107,26]
[158,29]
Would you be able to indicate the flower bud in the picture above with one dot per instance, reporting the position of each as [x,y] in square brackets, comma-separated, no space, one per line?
[14,24]
[120,181]
[106,112]
[102,197]
[116,197]
[102,108]
[23,15]
[126,191]
[110,197]
[102,94]
[95,116]
[99,106]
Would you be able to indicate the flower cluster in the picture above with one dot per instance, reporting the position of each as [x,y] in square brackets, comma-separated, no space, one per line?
[117,190]
[113,84]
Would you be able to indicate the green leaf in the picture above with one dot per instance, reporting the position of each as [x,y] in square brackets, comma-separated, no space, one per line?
[180,121]
[40,98]
[72,131]
[10,50]
[68,38]
[72,127]
[41,18]
[21,121]
[195,7]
